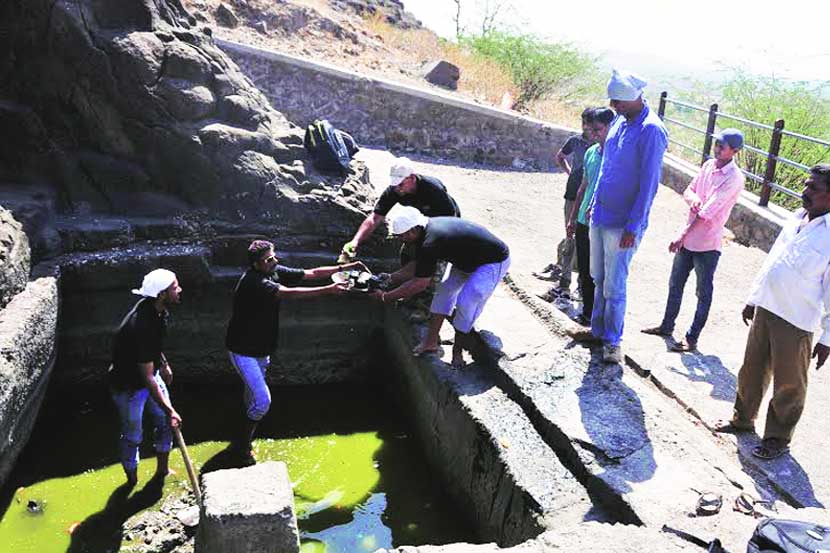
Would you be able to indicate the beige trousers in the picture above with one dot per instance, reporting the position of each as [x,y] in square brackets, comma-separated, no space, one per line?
[778,351]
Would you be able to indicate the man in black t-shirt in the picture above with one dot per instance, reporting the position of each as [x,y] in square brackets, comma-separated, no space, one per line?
[140,371]
[254,325]
[427,194]
[478,259]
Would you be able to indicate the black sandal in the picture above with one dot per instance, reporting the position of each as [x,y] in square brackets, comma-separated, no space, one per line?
[770,448]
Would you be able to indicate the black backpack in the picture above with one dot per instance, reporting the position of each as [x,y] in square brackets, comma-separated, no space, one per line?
[789,536]
[330,149]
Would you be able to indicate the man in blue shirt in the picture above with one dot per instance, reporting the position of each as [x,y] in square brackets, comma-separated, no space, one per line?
[631,163]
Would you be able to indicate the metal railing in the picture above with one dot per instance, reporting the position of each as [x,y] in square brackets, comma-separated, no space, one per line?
[767,180]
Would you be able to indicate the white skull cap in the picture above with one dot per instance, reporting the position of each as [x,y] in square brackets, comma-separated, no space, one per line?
[155,282]
[406,218]
[625,86]
[401,169]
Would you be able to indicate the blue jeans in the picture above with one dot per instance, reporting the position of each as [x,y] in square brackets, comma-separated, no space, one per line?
[704,264]
[130,406]
[609,268]
[252,372]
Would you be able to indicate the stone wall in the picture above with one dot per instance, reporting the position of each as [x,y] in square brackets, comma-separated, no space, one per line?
[751,224]
[398,116]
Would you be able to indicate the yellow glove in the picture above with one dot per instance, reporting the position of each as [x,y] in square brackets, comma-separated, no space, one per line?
[348,253]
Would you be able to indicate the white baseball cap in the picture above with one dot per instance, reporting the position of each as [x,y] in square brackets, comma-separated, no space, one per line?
[155,282]
[401,169]
[406,218]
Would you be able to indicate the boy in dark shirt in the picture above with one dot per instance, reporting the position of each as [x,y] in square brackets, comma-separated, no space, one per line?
[479,260]
[254,325]
[427,194]
[569,159]
[140,371]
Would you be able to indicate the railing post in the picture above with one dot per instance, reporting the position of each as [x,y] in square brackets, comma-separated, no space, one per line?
[661,110]
[772,161]
[710,130]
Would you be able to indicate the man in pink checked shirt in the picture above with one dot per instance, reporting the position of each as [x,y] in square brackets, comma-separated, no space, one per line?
[711,196]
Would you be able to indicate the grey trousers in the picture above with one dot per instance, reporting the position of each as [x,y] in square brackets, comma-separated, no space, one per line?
[566,251]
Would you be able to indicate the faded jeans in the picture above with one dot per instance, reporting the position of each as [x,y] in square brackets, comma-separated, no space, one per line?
[130,406]
[609,267]
[704,264]
[257,394]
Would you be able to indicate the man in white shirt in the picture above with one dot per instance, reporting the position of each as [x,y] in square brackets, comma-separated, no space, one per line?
[789,299]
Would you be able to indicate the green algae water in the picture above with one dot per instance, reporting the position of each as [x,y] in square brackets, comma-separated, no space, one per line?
[359,481]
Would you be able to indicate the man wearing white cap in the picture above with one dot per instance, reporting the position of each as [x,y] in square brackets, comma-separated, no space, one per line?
[629,174]
[427,194]
[140,371]
[479,260]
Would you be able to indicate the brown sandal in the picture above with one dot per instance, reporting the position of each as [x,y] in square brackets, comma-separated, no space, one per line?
[683,346]
[729,427]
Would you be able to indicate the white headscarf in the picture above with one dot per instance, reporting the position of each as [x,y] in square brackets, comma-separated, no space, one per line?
[626,86]
[155,282]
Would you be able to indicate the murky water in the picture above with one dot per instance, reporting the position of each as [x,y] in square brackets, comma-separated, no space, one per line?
[360,482]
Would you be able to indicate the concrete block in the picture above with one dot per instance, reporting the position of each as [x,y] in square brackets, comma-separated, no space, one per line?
[249,510]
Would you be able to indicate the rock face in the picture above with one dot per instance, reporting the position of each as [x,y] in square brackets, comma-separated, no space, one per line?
[248,510]
[130,108]
[391,10]
[14,257]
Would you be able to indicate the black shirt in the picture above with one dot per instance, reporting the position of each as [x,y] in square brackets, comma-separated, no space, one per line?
[254,324]
[465,244]
[139,339]
[430,198]
[575,146]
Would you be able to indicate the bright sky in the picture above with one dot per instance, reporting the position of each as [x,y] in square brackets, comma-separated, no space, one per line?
[788,38]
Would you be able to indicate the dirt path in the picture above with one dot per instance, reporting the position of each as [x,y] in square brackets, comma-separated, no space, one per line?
[525,210]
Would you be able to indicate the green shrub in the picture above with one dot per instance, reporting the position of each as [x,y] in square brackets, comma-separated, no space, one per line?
[804,107]
[539,69]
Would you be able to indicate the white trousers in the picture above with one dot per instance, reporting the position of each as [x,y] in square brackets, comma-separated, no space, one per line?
[467,293]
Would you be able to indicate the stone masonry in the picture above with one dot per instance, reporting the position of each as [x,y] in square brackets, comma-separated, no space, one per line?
[397,116]
[248,510]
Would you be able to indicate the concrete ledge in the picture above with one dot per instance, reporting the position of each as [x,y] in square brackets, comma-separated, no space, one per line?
[28,327]
[249,510]
[751,224]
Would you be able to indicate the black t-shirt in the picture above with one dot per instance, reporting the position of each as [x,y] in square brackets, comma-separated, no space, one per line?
[465,244]
[255,319]
[575,147]
[139,339]
[430,198]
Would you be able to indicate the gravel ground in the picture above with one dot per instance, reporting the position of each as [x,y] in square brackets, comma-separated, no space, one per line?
[525,210]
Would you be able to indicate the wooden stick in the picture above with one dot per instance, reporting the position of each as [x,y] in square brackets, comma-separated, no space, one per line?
[194,482]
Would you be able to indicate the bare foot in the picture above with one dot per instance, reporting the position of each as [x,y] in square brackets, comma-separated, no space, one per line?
[422,349]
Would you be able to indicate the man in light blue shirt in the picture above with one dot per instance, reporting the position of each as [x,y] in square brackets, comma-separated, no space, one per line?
[631,163]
